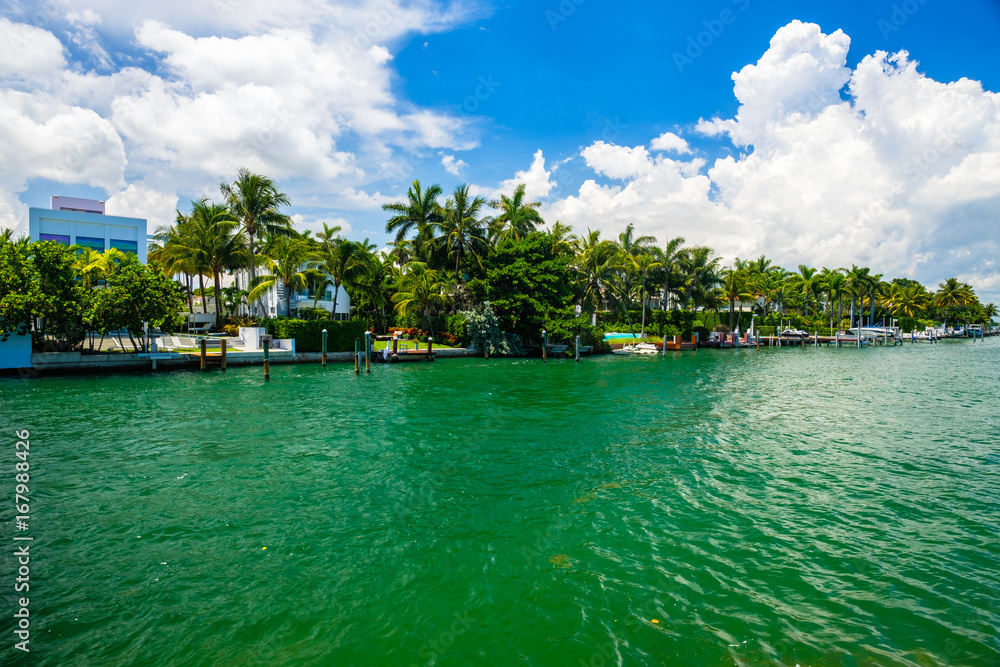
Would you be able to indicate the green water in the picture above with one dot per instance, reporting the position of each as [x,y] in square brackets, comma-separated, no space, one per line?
[812,507]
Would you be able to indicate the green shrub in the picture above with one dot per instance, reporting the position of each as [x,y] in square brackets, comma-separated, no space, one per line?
[308,335]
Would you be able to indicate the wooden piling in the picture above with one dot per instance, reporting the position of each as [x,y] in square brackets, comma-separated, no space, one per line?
[357,352]
[368,352]
[578,348]
[545,345]
[430,349]
[203,343]
[395,346]
[323,358]
[223,354]
[266,341]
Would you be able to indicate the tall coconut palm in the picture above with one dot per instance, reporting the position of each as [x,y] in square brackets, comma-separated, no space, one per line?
[288,264]
[642,266]
[834,283]
[174,256]
[339,262]
[859,283]
[701,277]
[804,283]
[518,217]
[421,290]
[671,258]
[418,213]
[633,245]
[210,236]
[596,264]
[463,230]
[255,201]
[736,287]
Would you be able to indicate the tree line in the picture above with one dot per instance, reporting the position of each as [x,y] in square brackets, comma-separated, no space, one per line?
[465,254]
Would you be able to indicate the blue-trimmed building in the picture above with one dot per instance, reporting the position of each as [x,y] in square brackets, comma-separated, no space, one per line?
[82,222]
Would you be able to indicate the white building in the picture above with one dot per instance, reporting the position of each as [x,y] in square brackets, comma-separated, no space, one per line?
[82,222]
[274,301]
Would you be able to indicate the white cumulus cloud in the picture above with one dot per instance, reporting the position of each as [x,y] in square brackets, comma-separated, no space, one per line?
[898,172]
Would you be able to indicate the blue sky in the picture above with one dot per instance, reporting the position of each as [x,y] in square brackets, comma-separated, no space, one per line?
[816,154]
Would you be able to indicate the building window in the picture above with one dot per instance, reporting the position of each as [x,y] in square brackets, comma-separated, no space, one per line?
[125,246]
[92,243]
[58,238]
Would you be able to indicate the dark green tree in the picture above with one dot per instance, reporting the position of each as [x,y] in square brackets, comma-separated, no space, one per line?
[527,283]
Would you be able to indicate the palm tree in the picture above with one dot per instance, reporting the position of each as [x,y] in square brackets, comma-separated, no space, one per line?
[210,237]
[952,294]
[641,265]
[419,212]
[339,262]
[174,256]
[90,266]
[908,300]
[421,290]
[255,201]
[463,231]
[287,264]
[701,276]
[834,282]
[859,283]
[735,287]
[671,258]
[804,282]
[632,245]
[563,239]
[596,263]
[517,218]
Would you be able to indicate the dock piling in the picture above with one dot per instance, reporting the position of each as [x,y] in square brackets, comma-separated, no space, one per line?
[368,351]
[266,342]
[545,345]
[203,344]
[578,348]
[430,348]
[224,355]
[357,356]
[323,358]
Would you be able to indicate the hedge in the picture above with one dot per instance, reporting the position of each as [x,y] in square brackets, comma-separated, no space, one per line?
[308,335]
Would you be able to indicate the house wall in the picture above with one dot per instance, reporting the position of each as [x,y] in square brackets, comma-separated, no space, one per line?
[90,229]
[15,352]
[274,302]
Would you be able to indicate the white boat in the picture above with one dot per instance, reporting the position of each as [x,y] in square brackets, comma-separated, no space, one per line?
[793,333]
[639,348]
[880,332]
